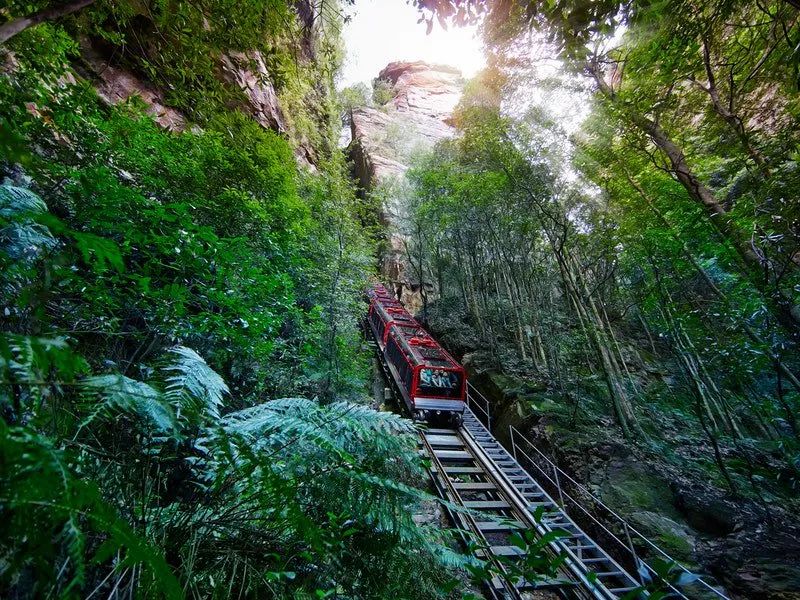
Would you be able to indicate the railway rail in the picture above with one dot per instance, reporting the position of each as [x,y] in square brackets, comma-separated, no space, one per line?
[498,496]
[472,470]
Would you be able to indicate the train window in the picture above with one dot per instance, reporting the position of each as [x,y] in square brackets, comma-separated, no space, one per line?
[394,353]
[437,382]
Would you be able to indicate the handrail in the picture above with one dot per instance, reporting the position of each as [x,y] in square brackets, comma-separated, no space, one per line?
[629,529]
[485,409]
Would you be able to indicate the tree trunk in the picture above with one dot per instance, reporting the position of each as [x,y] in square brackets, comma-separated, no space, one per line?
[726,113]
[745,327]
[15,26]
[761,270]
[590,320]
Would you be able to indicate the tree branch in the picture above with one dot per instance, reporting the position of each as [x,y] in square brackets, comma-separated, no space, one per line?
[15,26]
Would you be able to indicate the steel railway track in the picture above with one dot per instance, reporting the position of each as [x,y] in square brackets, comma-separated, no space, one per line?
[471,469]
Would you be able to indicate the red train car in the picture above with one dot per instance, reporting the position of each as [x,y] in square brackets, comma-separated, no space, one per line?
[383,314]
[379,291]
[431,383]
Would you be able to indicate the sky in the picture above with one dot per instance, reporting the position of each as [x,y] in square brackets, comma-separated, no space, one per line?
[383,31]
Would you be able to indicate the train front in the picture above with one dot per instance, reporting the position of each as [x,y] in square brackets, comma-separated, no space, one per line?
[440,392]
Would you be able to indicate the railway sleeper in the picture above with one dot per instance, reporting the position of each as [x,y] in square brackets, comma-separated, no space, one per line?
[582,547]
[537,498]
[456,470]
[499,526]
[605,574]
[507,551]
[541,584]
[594,560]
[487,504]
[452,455]
[443,438]
[474,487]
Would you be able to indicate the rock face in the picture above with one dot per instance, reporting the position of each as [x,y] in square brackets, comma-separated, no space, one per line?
[385,139]
[115,85]
[249,72]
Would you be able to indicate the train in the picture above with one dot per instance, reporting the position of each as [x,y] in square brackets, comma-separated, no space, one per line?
[432,385]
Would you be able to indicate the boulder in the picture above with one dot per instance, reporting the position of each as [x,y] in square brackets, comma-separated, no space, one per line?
[672,537]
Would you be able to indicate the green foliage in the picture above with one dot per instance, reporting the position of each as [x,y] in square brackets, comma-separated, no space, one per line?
[382,91]
[56,524]
[313,494]
[157,289]
[213,238]
[534,563]
[357,95]
[695,316]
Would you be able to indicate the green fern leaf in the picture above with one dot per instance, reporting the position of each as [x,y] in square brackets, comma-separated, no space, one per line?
[192,384]
[17,201]
[122,394]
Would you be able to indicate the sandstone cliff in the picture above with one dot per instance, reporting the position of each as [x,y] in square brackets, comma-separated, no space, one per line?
[284,82]
[384,141]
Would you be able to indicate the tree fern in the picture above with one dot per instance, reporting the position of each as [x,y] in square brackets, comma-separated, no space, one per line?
[25,241]
[330,486]
[283,426]
[17,201]
[40,494]
[365,456]
[193,386]
[118,393]
[21,238]
[34,364]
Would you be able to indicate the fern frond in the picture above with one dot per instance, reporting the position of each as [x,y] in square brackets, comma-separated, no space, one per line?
[289,428]
[369,418]
[191,381]
[29,362]
[17,201]
[26,241]
[118,393]
[34,507]
[74,541]
[23,239]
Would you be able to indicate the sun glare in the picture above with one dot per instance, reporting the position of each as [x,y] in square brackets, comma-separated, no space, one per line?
[383,31]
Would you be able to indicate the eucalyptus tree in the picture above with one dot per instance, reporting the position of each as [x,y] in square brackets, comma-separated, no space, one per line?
[689,236]
[737,56]
[509,217]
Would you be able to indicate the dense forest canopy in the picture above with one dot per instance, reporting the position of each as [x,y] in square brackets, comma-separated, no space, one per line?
[643,266]
[690,145]
[184,388]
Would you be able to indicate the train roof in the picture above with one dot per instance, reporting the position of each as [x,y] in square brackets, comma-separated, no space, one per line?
[417,342]
[393,311]
[425,350]
[379,291]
